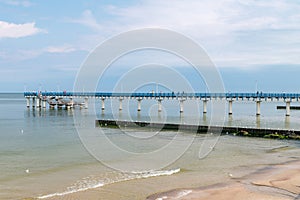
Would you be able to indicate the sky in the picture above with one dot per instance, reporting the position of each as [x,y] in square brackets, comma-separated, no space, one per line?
[254,44]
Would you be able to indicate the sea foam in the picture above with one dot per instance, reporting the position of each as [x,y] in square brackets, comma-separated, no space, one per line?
[71,191]
[86,185]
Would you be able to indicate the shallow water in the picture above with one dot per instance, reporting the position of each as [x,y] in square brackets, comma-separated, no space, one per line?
[42,154]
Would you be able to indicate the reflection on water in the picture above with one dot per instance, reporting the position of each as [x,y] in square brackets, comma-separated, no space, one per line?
[102,113]
[230,120]
[258,121]
[138,116]
[205,118]
[181,116]
[159,116]
[243,115]
[43,112]
[287,122]
[120,115]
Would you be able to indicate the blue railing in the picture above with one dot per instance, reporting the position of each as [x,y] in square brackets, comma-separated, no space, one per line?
[166,95]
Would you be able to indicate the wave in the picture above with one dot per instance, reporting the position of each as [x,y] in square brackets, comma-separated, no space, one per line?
[92,184]
[146,174]
[71,191]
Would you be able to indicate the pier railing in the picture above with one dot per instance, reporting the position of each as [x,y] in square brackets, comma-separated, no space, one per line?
[167,95]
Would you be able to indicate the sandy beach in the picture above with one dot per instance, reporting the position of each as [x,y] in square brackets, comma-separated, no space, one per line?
[262,169]
[277,182]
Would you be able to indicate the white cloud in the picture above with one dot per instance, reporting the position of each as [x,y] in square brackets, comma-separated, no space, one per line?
[60,49]
[207,17]
[11,30]
[65,68]
[87,19]
[234,32]
[19,55]
[23,3]
[28,54]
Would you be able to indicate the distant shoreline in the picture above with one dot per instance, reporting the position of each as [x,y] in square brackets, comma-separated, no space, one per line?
[234,130]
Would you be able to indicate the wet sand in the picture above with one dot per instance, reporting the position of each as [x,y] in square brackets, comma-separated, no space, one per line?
[231,171]
[272,183]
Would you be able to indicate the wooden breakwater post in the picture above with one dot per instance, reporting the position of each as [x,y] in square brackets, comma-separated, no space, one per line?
[236,131]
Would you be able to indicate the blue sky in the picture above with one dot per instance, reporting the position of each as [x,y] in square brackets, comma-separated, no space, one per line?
[44,43]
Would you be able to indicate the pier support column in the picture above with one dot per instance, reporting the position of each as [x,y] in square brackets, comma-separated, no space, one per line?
[86,103]
[44,103]
[159,105]
[103,104]
[71,102]
[28,101]
[258,107]
[288,108]
[230,107]
[205,106]
[139,104]
[33,102]
[38,102]
[181,105]
[121,104]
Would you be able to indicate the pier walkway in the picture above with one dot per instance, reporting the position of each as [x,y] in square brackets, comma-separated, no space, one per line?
[59,99]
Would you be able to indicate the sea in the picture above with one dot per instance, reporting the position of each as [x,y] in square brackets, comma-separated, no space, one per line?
[61,154]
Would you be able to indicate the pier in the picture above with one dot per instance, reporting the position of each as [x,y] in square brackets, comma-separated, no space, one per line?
[66,99]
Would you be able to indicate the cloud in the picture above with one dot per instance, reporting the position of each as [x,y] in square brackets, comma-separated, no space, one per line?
[17,3]
[19,55]
[234,32]
[28,54]
[11,30]
[208,17]
[65,68]
[60,49]
[87,19]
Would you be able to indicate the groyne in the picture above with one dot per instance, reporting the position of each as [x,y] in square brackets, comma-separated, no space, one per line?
[291,107]
[237,131]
